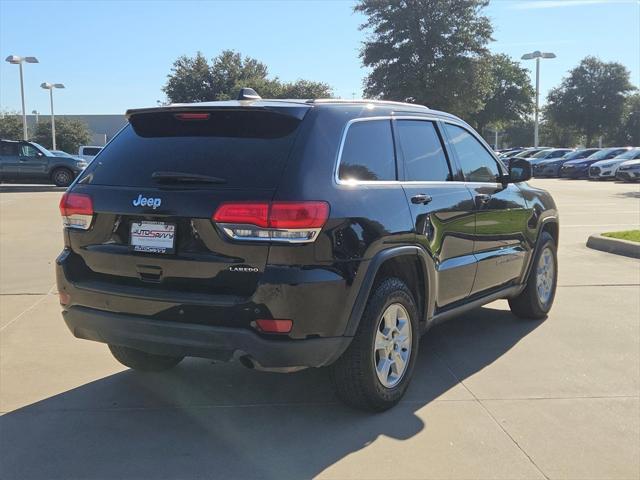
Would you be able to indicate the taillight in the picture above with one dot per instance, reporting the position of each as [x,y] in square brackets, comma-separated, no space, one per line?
[76,210]
[293,222]
[253,213]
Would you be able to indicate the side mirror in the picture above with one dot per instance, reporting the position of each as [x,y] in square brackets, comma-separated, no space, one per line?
[519,170]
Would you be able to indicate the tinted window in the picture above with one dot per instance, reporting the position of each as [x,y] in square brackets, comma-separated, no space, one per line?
[367,153]
[91,151]
[477,164]
[424,158]
[557,154]
[8,148]
[245,148]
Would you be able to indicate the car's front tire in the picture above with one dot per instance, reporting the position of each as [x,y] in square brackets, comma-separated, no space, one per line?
[375,370]
[143,361]
[62,177]
[535,301]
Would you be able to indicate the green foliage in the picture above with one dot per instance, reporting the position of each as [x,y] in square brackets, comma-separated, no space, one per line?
[510,98]
[591,99]
[629,132]
[557,135]
[10,126]
[70,134]
[427,52]
[192,79]
[630,235]
[518,134]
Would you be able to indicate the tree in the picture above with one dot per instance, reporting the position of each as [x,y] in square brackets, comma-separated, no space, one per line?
[629,133]
[10,126]
[510,97]
[70,134]
[518,134]
[427,52]
[591,99]
[190,80]
[194,80]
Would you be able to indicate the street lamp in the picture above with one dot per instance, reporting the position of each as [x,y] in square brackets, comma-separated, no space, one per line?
[50,87]
[16,60]
[530,56]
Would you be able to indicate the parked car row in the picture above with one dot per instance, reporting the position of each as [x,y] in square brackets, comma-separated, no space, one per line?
[29,162]
[593,163]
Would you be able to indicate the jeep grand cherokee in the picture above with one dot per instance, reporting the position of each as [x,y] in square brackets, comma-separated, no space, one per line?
[293,234]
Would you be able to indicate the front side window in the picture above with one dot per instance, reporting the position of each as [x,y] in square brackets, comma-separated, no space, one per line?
[27,150]
[424,157]
[477,164]
[367,153]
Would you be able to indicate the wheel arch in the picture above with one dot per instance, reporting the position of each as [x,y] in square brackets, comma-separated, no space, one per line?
[409,263]
[550,225]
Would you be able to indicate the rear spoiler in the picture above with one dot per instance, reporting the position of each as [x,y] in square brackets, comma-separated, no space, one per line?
[291,109]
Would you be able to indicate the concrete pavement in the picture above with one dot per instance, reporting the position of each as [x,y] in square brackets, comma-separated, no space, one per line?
[492,397]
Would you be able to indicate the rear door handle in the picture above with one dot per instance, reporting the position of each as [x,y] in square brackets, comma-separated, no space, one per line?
[421,199]
[483,198]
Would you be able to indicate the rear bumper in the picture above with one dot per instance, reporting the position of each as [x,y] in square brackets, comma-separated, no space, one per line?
[182,339]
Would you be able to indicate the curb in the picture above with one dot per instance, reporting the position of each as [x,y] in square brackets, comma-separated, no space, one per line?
[614,245]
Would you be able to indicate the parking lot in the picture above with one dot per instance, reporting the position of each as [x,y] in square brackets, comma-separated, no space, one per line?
[492,396]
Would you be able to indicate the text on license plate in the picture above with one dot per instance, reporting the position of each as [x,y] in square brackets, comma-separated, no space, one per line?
[153,237]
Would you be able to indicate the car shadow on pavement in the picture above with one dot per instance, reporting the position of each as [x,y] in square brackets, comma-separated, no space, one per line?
[633,194]
[225,421]
[4,188]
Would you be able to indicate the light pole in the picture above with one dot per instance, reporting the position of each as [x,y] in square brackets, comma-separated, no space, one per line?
[530,56]
[50,87]
[16,60]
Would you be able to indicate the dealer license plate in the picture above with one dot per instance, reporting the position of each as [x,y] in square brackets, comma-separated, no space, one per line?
[153,237]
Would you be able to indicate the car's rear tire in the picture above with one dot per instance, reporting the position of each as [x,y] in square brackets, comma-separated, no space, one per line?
[143,361]
[535,301]
[375,370]
[62,177]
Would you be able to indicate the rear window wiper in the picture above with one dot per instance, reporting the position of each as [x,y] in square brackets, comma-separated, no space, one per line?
[183,177]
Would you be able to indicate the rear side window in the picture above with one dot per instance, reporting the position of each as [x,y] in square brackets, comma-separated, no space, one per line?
[8,149]
[424,157]
[245,148]
[368,153]
[477,164]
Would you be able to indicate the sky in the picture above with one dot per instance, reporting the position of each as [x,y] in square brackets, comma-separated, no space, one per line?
[114,55]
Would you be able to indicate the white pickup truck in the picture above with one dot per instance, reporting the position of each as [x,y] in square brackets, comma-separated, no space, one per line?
[87,152]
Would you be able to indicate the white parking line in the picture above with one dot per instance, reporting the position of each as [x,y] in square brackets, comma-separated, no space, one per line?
[28,309]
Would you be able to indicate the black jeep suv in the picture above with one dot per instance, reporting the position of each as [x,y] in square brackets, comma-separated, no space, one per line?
[293,234]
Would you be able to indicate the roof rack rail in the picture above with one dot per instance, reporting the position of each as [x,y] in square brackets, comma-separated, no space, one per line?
[364,100]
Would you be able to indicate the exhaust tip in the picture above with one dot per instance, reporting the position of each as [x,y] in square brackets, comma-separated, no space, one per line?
[246,361]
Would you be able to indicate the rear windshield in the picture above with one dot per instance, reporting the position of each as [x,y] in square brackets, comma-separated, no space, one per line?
[243,148]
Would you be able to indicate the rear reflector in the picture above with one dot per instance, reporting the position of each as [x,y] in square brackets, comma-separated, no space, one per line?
[293,222]
[274,326]
[192,116]
[76,210]
[65,298]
